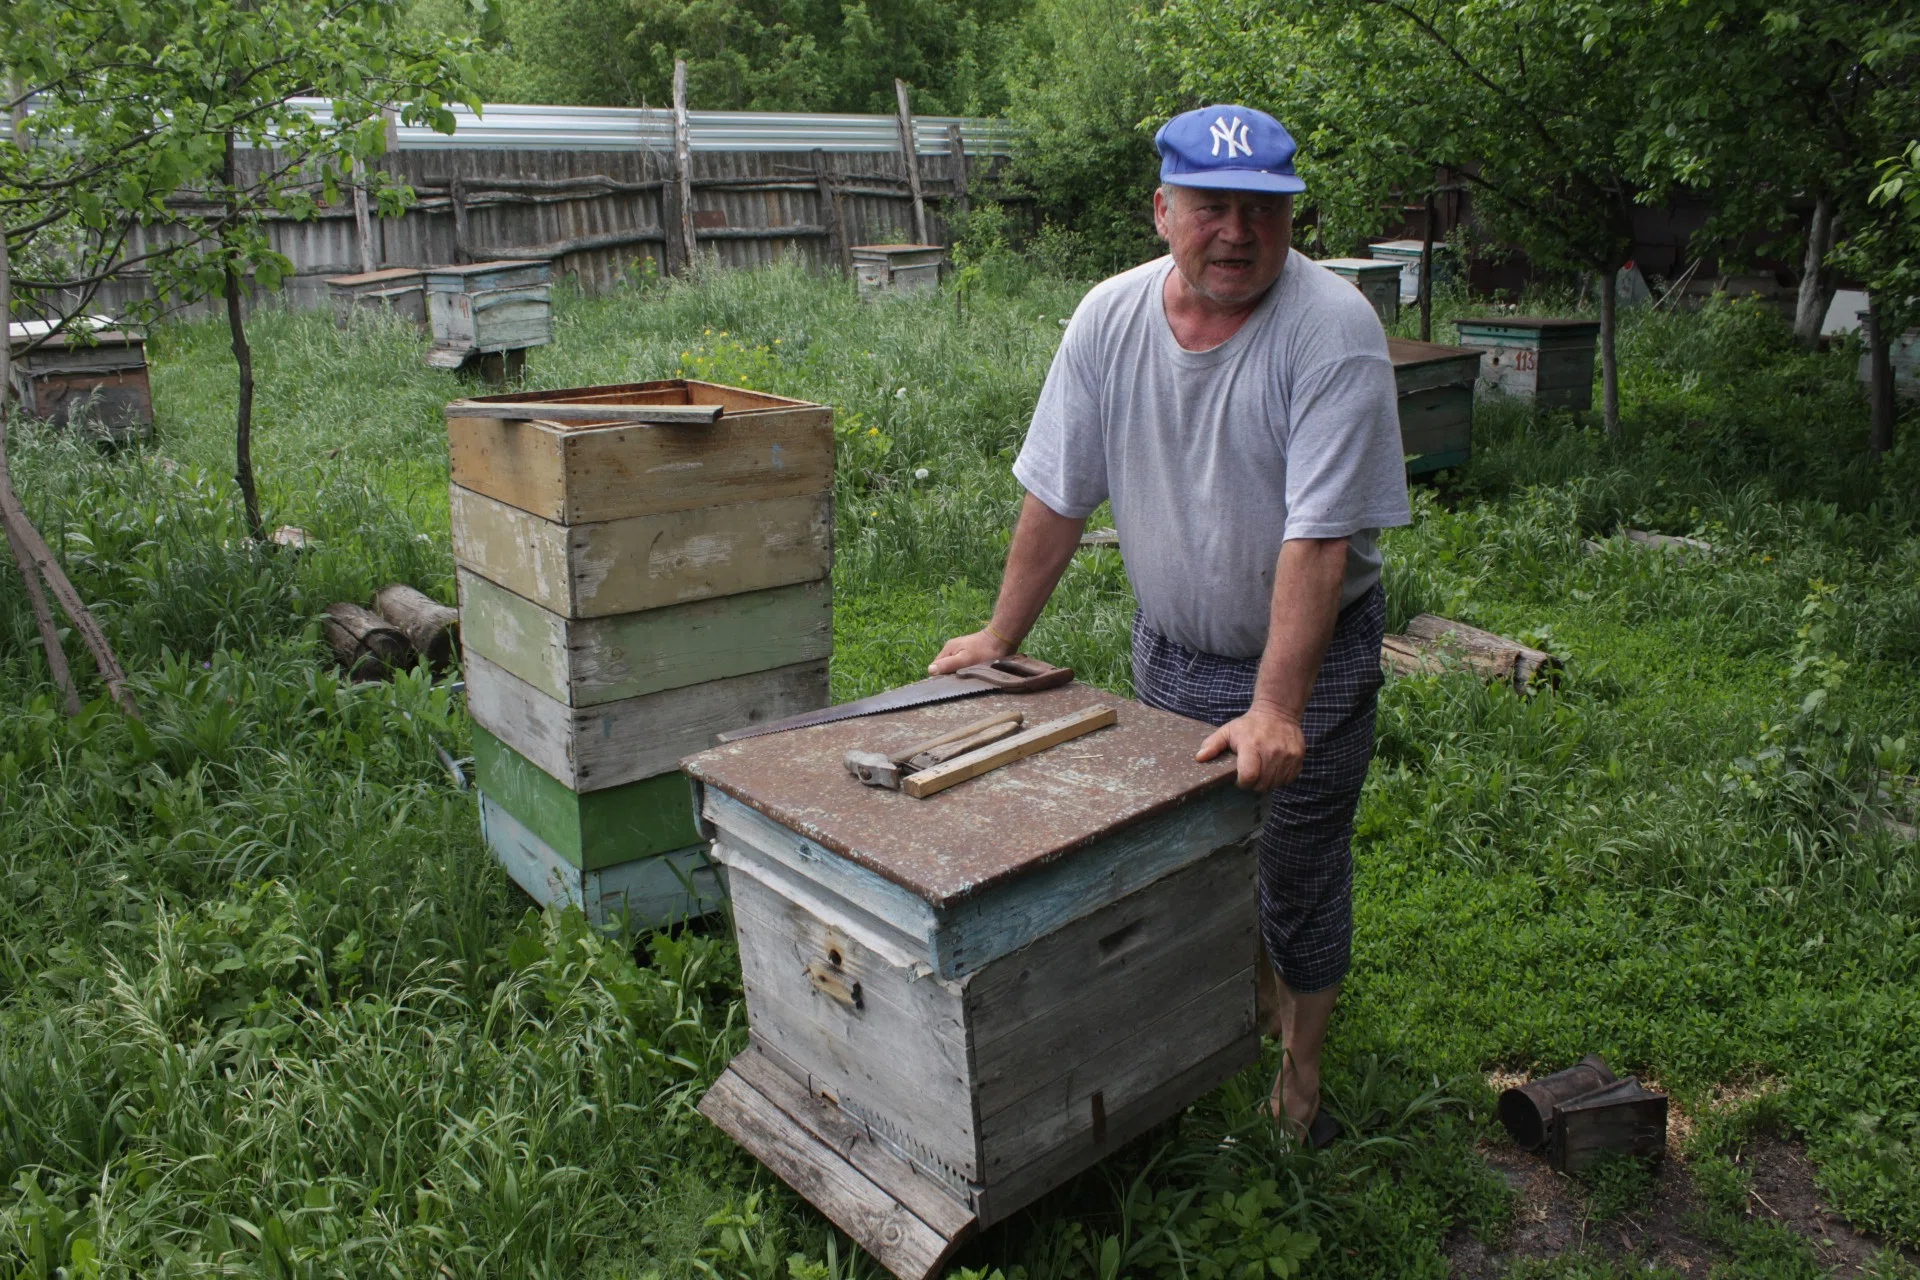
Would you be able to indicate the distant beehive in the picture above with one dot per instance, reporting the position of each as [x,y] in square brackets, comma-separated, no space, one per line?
[488,308]
[1903,351]
[1378,282]
[97,375]
[401,290]
[627,590]
[897,268]
[1407,253]
[1434,387]
[1539,358]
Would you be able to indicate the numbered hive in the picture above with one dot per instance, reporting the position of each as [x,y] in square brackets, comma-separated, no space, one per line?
[958,1003]
[485,307]
[97,376]
[897,268]
[400,290]
[1434,387]
[1378,282]
[627,590]
[1548,361]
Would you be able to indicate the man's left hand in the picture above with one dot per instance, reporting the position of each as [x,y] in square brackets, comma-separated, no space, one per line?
[1267,742]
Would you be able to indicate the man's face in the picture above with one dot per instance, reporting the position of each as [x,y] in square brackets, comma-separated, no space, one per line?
[1228,245]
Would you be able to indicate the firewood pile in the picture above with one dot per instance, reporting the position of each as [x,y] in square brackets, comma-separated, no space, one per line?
[1432,644]
[403,625]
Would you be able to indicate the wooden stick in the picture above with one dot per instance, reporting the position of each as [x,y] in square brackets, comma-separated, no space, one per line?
[1017,717]
[1019,747]
[910,152]
[940,755]
[683,166]
[555,411]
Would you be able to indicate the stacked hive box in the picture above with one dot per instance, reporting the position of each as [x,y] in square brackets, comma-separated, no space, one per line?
[627,589]
[1378,282]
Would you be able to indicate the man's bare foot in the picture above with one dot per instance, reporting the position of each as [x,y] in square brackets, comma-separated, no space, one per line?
[1295,1099]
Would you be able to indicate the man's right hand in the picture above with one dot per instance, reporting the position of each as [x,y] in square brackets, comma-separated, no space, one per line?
[967,651]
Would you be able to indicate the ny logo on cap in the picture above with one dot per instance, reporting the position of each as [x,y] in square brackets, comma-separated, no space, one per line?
[1234,135]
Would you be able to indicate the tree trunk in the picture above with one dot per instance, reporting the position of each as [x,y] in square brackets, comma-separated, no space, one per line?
[1879,382]
[1426,274]
[1609,363]
[1816,292]
[243,355]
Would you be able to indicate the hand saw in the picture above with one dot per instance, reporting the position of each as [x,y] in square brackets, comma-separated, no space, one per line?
[1015,674]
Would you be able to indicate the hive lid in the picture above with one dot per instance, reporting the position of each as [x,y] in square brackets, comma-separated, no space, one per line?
[1411,351]
[386,275]
[1526,322]
[985,831]
[1358,264]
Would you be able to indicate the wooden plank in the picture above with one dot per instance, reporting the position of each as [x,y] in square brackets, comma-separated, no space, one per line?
[591,831]
[873,1034]
[977,931]
[1007,1196]
[876,1221]
[646,893]
[592,748]
[556,411]
[772,1073]
[590,661]
[586,474]
[1070,1000]
[910,154]
[1021,745]
[643,562]
[1062,1114]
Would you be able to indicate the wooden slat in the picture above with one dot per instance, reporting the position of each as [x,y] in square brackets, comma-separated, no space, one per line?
[553,411]
[587,662]
[878,1223]
[592,748]
[643,562]
[1021,745]
[645,893]
[598,829]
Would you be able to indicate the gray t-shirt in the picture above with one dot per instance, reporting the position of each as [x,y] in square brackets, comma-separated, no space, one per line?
[1288,429]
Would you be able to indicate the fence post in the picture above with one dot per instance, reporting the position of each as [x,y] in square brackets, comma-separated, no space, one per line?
[683,164]
[839,248]
[457,197]
[912,155]
[362,220]
[957,163]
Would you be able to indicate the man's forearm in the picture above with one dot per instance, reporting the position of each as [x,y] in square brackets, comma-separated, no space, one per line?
[1043,545]
[1305,607]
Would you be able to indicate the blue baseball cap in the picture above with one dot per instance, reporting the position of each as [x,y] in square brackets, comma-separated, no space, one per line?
[1228,148]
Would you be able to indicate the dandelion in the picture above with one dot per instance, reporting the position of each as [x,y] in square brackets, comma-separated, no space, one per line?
[921,473]
[1063,322]
[873,515]
[873,431]
[901,394]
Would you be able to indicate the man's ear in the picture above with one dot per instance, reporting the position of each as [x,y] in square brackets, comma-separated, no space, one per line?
[1162,214]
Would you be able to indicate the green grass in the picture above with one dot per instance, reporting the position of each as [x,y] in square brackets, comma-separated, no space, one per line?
[267,1008]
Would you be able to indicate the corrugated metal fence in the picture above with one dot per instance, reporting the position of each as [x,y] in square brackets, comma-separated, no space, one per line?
[594,189]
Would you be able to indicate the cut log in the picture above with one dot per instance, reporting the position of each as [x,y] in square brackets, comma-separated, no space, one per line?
[1413,656]
[431,628]
[365,646]
[1494,656]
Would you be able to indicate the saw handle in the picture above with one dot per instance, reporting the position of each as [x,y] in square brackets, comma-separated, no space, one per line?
[1017,673]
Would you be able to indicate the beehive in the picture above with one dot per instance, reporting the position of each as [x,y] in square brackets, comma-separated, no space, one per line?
[1434,387]
[400,290]
[1903,352]
[1407,254]
[98,376]
[487,308]
[897,268]
[1543,359]
[627,590]
[958,1003]
[1378,282]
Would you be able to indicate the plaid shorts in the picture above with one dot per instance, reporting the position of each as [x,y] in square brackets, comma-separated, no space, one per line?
[1306,849]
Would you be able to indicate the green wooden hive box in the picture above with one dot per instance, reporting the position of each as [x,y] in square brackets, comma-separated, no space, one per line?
[1434,386]
[1378,282]
[1544,359]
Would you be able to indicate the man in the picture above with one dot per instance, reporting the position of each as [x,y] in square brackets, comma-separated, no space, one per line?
[1236,403]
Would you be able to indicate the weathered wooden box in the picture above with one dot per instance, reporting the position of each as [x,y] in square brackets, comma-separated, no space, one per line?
[958,1003]
[1539,358]
[98,377]
[1435,386]
[1378,282]
[488,307]
[1903,351]
[898,268]
[400,290]
[627,590]
[650,892]
[1407,254]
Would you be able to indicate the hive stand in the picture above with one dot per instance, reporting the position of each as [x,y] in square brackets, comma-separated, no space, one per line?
[1378,282]
[958,1003]
[484,316]
[98,376]
[1434,387]
[897,268]
[1539,358]
[627,590]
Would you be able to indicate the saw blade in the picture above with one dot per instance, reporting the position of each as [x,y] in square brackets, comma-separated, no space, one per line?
[920,694]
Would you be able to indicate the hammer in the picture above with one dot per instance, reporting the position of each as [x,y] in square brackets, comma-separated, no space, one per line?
[884,771]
